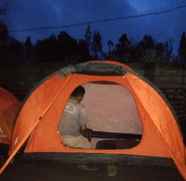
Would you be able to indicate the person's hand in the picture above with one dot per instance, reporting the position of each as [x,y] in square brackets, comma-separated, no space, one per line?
[86,132]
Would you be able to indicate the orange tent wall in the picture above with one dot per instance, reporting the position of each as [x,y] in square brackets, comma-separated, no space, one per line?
[162,118]
[156,148]
[33,111]
[9,107]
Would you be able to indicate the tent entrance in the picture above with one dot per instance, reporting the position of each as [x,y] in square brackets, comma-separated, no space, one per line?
[113,120]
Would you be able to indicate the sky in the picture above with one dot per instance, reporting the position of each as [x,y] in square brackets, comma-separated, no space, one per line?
[23,14]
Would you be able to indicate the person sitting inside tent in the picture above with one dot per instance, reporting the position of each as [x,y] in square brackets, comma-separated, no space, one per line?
[74,121]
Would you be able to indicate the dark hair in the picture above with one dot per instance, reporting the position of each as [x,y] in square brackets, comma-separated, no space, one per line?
[79,91]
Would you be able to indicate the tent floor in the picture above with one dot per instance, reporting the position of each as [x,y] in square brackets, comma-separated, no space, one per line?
[45,170]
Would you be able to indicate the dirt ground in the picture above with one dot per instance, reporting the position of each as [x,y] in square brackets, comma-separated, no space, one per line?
[49,171]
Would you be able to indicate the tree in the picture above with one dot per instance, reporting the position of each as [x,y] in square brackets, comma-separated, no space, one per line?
[28,49]
[88,36]
[97,44]
[67,45]
[28,42]
[83,50]
[47,49]
[123,49]
[3,33]
[148,42]
[146,49]
[124,41]
[110,45]
[182,47]
[169,48]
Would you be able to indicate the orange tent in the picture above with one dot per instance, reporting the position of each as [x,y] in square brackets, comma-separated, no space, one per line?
[161,136]
[9,107]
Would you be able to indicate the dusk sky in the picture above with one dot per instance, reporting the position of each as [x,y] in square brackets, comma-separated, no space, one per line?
[23,14]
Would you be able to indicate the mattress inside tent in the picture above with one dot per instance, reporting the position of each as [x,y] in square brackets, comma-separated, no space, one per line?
[111,108]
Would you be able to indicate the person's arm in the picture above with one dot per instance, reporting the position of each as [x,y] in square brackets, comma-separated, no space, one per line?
[84,130]
[83,118]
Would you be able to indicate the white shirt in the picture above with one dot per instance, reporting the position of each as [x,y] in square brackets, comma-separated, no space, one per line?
[74,117]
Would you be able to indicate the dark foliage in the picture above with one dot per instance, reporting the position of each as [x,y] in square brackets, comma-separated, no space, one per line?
[68,50]
[182,48]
